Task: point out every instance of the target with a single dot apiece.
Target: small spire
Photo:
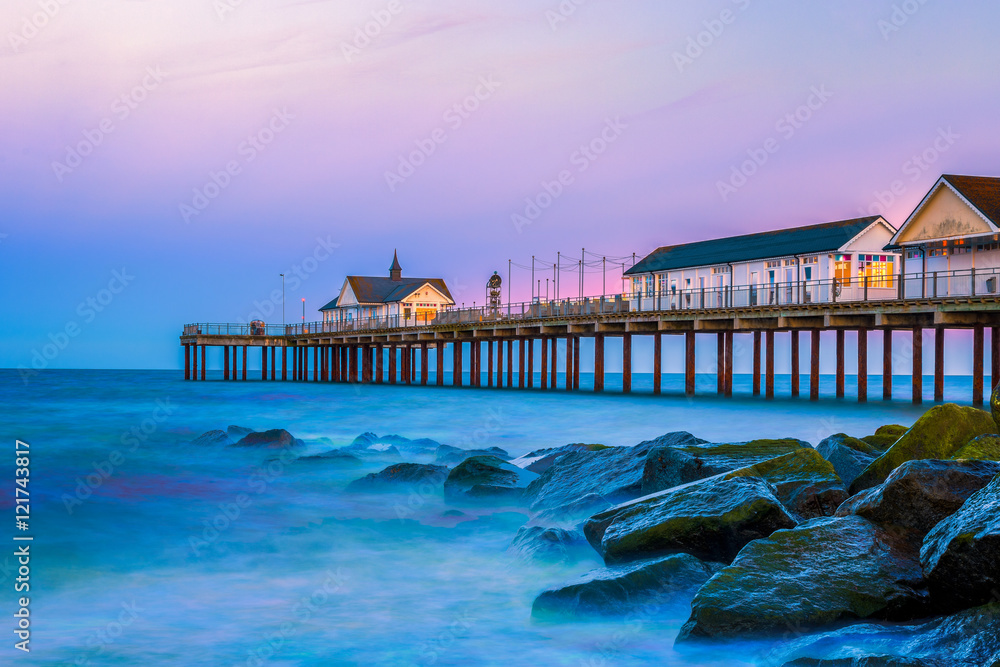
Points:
(395, 271)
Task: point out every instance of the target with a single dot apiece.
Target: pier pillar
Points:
(814, 365)
(203, 369)
(456, 371)
(756, 363)
(599, 362)
(353, 362)
(840, 363)
(531, 363)
(366, 354)
(284, 363)
(939, 364)
(576, 362)
(244, 363)
(917, 374)
(194, 365)
(862, 365)
(392, 364)
(729, 363)
(345, 351)
(274, 368)
(489, 363)
(225, 362)
(234, 362)
(545, 363)
(977, 365)
(689, 363)
(425, 366)
(474, 350)
(316, 363)
(379, 374)
(570, 360)
(795, 364)
(994, 356)
(626, 363)
(520, 364)
(407, 367)
(187, 361)
(439, 359)
(769, 367)
(657, 364)
(555, 366)
(413, 364)
(263, 362)
(510, 364)
(887, 364)
(720, 363)
(500, 345)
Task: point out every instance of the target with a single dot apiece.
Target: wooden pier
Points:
(485, 344)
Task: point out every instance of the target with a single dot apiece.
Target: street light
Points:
(303, 310)
(282, 299)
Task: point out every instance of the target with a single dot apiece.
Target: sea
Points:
(147, 549)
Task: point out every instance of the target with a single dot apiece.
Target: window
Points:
(721, 269)
(810, 260)
(647, 281)
(983, 247)
(937, 252)
(961, 250)
(772, 265)
(790, 262)
(878, 269)
(842, 269)
(913, 254)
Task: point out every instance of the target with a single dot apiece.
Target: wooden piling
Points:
(598, 362)
(274, 368)
(439, 360)
(531, 363)
(284, 363)
(187, 361)
(263, 362)
(939, 364)
(814, 365)
(689, 363)
(917, 374)
(545, 363)
(626, 363)
(225, 362)
(862, 365)
(769, 365)
(576, 362)
(425, 367)
(316, 363)
(729, 364)
(555, 363)
(795, 363)
(756, 363)
(840, 363)
(570, 360)
(977, 365)
(489, 364)
(887, 365)
(510, 364)
(203, 369)
(194, 364)
(500, 345)
(994, 356)
(244, 362)
(657, 364)
(456, 370)
(234, 363)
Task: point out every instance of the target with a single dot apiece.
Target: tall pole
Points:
(583, 267)
(532, 277)
(508, 287)
(556, 275)
(554, 295)
(303, 312)
(604, 276)
(282, 299)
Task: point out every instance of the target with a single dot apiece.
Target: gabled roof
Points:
(982, 193)
(331, 305)
(825, 237)
(370, 289)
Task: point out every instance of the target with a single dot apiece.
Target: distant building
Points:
(796, 265)
(398, 300)
(954, 233)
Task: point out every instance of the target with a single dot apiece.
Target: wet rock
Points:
(666, 582)
(549, 544)
(574, 513)
(613, 472)
(885, 436)
(276, 438)
(216, 437)
(711, 519)
(983, 448)
(236, 433)
(540, 460)
(680, 458)
(401, 476)
(849, 456)
(804, 482)
(868, 661)
(334, 456)
(938, 434)
(374, 443)
(826, 571)
(961, 555)
(487, 477)
(450, 456)
(920, 494)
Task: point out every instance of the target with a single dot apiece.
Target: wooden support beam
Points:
(263, 362)
(244, 362)
(274, 368)
(729, 364)
(599, 362)
(234, 363)
(569, 364)
(392, 364)
(316, 363)
(626, 363)
(689, 366)
(862, 365)
(500, 345)
(425, 366)
(814, 365)
(187, 361)
(977, 365)
(456, 370)
(939, 364)
(225, 363)
(917, 374)
(379, 375)
(510, 363)
(284, 363)
(489, 363)
(439, 354)
(756, 363)
(720, 363)
(555, 363)
(840, 363)
(194, 364)
(657, 364)
(994, 356)
(545, 363)
(795, 363)
(413, 365)
(769, 367)
(203, 369)
(887, 365)
(576, 362)
(531, 363)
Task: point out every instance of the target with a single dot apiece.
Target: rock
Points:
(711, 519)
(448, 455)
(541, 460)
(573, 513)
(400, 475)
(680, 458)
(995, 405)
(276, 438)
(216, 437)
(487, 477)
(334, 456)
(549, 544)
(656, 583)
(614, 473)
(826, 571)
(961, 555)
(374, 443)
(236, 433)
(938, 434)
(868, 661)
(885, 436)
(849, 456)
(804, 482)
(920, 494)
(983, 448)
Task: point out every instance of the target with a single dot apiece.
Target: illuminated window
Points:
(842, 269)
(879, 269)
(937, 252)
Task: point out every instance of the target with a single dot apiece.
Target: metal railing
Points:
(875, 289)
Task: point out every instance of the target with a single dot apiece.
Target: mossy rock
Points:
(885, 436)
(983, 448)
(939, 434)
(805, 482)
(857, 444)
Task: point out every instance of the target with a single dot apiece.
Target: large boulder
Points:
(401, 475)
(450, 456)
(405, 446)
(919, 494)
(938, 434)
(540, 460)
(574, 513)
(276, 438)
(824, 572)
(332, 456)
(885, 436)
(487, 477)
(961, 555)
(666, 582)
(711, 519)
(849, 456)
(680, 458)
(613, 472)
(216, 437)
(983, 448)
(551, 544)
(805, 483)
(235, 433)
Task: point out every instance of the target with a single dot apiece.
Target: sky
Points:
(162, 162)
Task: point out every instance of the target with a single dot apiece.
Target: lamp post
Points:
(303, 311)
(282, 299)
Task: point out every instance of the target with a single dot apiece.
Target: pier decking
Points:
(507, 347)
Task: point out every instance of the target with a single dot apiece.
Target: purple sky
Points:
(163, 95)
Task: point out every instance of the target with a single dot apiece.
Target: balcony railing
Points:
(880, 289)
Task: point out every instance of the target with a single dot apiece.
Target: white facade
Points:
(422, 304)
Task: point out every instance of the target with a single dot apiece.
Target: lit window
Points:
(878, 269)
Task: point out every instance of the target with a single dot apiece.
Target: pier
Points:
(509, 347)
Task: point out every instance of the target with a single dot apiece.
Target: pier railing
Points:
(874, 289)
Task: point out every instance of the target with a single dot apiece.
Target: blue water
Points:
(150, 550)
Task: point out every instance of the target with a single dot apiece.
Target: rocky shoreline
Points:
(874, 550)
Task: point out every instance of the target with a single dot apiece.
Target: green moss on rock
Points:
(983, 448)
(804, 482)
